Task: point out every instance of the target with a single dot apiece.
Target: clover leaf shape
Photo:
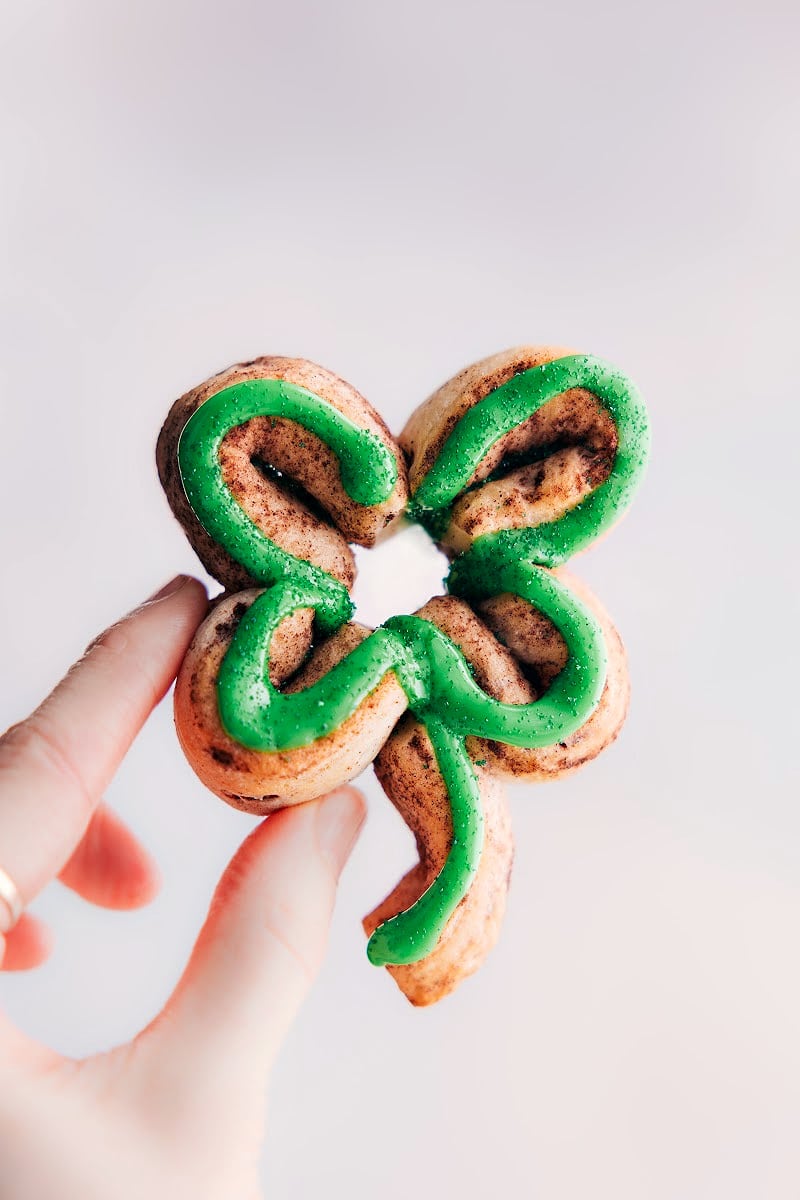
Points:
(438, 682)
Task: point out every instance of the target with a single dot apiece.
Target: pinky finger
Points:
(28, 945)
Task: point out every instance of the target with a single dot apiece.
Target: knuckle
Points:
(113, 641)
(122, 653)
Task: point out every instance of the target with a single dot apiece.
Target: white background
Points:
(394, 191)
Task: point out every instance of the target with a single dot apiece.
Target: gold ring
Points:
(9, 894)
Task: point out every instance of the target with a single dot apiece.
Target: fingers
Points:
(55, 766)
(258, 952)
(110, 866)
(26, 946)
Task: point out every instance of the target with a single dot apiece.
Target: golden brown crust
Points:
(575, 429)
(407, 769)
(300, 456)
(515, 653)
(539, 650)
(259, 782)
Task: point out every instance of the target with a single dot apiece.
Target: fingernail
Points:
(339, 820)
(169, 589)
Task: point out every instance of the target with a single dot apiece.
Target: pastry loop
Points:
(509, 406)
(258, 715)
(368, 473)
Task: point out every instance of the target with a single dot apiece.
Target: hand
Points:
(180, 1110)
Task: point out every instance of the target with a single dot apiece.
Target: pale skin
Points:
(180, 1110)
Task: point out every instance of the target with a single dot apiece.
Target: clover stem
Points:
(413, 934)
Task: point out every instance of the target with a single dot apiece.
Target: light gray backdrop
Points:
(394, 191)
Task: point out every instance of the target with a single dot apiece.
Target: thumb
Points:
(258, 952)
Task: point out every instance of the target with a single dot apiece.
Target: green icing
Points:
(429, 667)
(507, 407)
(438, 683)
(441, 691)
(367, 470)
(413, 934)
(259, 716)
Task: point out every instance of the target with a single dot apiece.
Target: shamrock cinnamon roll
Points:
(274, 467)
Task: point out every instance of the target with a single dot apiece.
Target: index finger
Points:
(55, 765)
